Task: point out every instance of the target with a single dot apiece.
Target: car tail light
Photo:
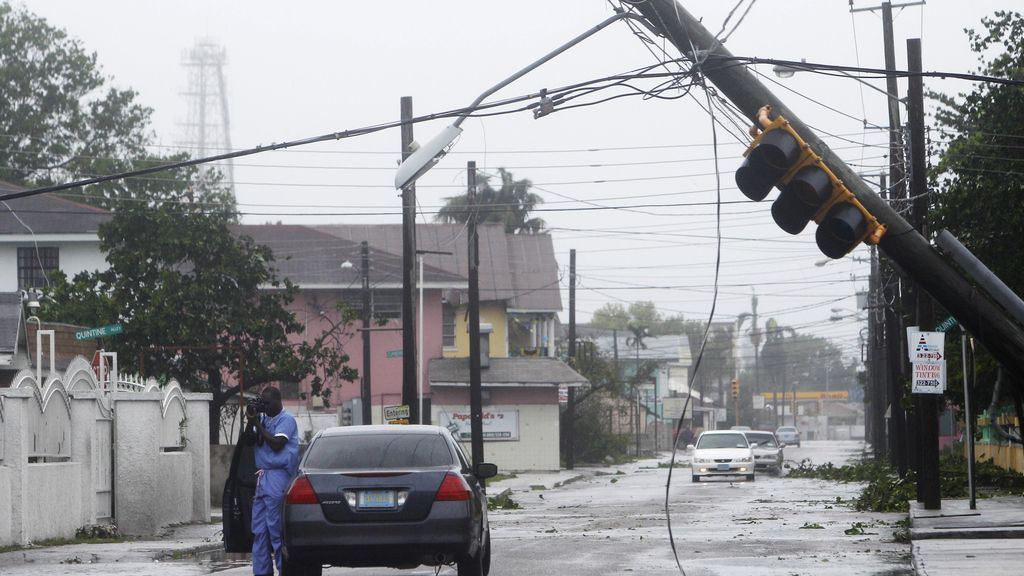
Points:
(302, 492)
(453, 488)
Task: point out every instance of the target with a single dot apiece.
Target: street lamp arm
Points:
(614, 18)
(426, 156)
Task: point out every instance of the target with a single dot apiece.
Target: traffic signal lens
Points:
(801, 198)
(842, 229)
(769, 161)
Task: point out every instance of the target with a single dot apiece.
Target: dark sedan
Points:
(394, 496)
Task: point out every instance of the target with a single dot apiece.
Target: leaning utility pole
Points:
(904, 245)
(408, 272)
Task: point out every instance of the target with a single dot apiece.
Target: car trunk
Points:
(371, 491)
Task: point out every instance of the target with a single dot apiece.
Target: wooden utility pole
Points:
(902, 243)
(925, 405)
(476, 418)
(408, 273)
(365, 398)
(570, 421)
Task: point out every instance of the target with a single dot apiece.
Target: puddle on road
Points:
(217, 560)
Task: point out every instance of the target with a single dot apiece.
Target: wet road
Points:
(615, 523)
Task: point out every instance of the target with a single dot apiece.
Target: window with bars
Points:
(447, 325)
(34, 264)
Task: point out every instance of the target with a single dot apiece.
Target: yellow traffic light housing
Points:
(735, 389)
(809, 190)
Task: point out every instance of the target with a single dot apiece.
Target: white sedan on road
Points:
(722, 453)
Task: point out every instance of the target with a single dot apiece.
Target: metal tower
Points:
(207, 127)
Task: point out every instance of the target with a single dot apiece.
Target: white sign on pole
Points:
(927, 354)
(927, 347)
(672, 407)
(910, 340)
(396, 412)
(758, 402)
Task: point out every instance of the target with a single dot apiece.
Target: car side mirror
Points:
(782, 444)
(689, 447)
(485, 470)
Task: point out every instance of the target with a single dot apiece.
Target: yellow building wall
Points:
(492, 313)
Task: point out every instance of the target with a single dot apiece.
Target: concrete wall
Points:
(57, 470)
(174, 473)
(220, 466)
(52, 510)
(5, 504)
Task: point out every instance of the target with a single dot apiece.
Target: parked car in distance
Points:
(388, 496)
(788, 435)
(767, 452)
(721, 453)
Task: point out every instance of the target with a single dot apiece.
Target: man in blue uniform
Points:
(277, 461)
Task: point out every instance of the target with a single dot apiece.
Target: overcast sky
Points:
(306, 68)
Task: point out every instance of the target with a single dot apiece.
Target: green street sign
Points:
(394, 354)
(101, 332)
(947, 325)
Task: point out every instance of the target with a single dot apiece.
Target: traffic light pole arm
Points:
(904, 245)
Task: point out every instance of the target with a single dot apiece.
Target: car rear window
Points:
(722, 441)
(787, 429)
(762, 439)
(379, 451)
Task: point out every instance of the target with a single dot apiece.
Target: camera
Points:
(256, 406)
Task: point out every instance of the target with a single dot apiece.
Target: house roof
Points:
(48, 214)
(517, 371)
(310, 257)
(518, 269)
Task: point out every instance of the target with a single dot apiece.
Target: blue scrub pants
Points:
(267, 537)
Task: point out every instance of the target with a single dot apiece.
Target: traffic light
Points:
(735, 389)
(779, 157)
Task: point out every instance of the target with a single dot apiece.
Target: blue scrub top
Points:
(279, 468)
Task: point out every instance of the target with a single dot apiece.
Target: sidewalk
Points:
(957, 540)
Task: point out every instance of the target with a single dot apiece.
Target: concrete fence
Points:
(75, 451)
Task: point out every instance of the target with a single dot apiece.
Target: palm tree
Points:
(511, 204)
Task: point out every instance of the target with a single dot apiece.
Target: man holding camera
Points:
(276, 436)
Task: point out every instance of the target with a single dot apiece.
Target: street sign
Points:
(100, 332)
(396, 412)
(394, 354)
(947, 325)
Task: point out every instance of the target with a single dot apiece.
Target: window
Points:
(447, 325)
(385, 304)
(34, 264)
(378, 451)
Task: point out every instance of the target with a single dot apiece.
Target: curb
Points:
(1002, 533)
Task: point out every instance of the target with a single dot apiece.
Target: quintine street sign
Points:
(101, 332)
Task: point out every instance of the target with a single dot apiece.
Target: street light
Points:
(426, 156)
(825, 261)
(785, 71)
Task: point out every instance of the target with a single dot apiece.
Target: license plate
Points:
(723, 467)
(377, 499)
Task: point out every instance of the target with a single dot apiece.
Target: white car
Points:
(767, 451)
(722, 453)
(788, 435)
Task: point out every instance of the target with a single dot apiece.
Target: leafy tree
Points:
(60, 120)
(197, 303)
(979, 179)
(511, 204)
